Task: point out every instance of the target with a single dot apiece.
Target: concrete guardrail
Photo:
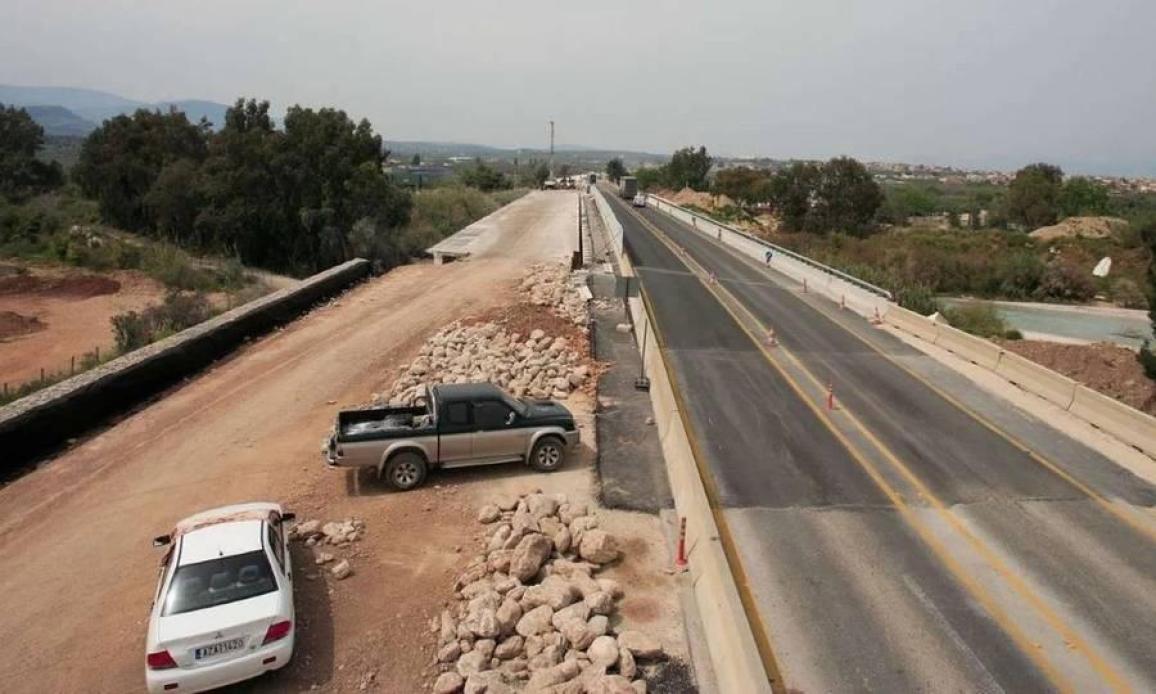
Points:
(734, 653)
(45, 420)
(1122, 421)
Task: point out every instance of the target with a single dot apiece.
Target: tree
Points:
(688, 167)
(1148, 235)
(649, 177)
(743, 184)
(615, 169)
(415, 160)
(847, 198)
(483, 177)
(541, 173)
(21, 173)
(792, 193)
(1083, 196)
(175, 199)
(1033, 197)
(121, 160)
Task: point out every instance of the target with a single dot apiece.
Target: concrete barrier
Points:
(1125, 423)
(1037, 379)
(914, 323)
(974, 349)
(45, 420)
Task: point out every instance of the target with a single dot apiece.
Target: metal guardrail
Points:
(850, 279)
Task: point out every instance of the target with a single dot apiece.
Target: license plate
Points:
(218, 648)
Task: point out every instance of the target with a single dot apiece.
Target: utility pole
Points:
(551, 149)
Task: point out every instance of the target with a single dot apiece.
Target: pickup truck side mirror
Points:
(161, 540)
(511, 417)
(285, 517)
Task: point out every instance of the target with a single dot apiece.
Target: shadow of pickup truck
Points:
(458, 425)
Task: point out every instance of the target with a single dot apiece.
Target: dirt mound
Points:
(1103, 367)
(13, 324)
(1082, 227)
(689, 196)
(72, 287)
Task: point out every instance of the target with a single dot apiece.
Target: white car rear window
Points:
(219, 581)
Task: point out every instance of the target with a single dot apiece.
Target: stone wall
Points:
(46, 420)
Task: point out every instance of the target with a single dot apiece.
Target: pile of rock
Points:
(531, 615)
(317, 535)
(535, 365)
(552, 285)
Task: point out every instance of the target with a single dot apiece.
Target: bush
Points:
(1127, 293)
(179, 311)
(978, 319)
(1148, 360)
(1065, 282)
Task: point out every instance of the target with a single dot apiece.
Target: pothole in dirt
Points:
(75, 287)
(13, 324)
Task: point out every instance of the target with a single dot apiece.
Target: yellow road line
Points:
(1001, 618)
(1147, 530)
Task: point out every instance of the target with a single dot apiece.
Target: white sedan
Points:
(223, 610)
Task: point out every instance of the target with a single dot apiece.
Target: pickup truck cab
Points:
(458, 425)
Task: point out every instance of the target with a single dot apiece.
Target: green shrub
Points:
(978, 319)
(1013, 334)
(1127, 293)
(1062, 281)
(1148, 360)
(179, 311)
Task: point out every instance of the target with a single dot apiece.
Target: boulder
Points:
(529, 555)
(541, 505)
(449, 652)
(554, 591)
(579, 611)
(568, 512)
(508, 615)
(600, 602)
(640, 644)
(506, 502)
(603, 651)
(536, 621)
(448, 683)
(598, 625)
(471, 663)
(611, 586)
(482, 623)
(485, 647)
(562, 540)
(341, 570)
(557, 674)
(626, 665)
(510, 648)
(489, 514)
(577, 634)
(598, 546)
(306, 530)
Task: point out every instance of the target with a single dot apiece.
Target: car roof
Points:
(222, 539)
(467, 391)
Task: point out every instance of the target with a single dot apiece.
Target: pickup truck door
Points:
(497, 433)
(455, 434)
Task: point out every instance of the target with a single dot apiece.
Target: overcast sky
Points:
(979, 83)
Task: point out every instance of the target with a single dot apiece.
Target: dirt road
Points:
(74, 534)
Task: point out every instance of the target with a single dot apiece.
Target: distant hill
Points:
(96, 106)
(58, 121)
(562, 153)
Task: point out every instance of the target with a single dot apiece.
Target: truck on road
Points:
(456, 425)
(628, 187)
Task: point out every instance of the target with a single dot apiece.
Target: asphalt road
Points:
(898, 543)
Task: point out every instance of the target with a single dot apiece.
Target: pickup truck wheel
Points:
(405, 471)
(548, 454)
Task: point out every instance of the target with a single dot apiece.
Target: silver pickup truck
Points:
(456, 426)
